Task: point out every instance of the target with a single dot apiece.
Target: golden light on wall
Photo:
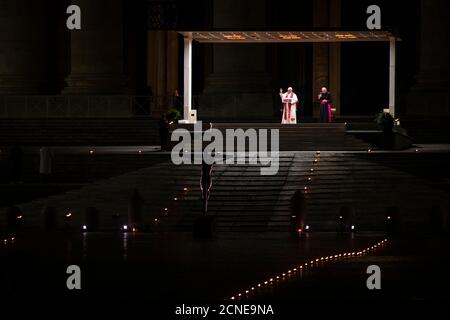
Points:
(233, 37)
(345, 36)
(289, 37)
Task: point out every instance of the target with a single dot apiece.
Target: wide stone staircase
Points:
(70, 171)
(243, 200)
(299, 137)
(369, 186)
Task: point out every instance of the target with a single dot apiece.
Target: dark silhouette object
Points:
(50, 219)
(45, 164)
(438, 219)
(346, 219)
(298, 212)
(205, 227)
(68, 217)
(177, 101)
(14, 220)
(164, 129)
(135, 209)
(116, 221)
(16, 163)
(393, 221)
(388, 133)
(92, 218)
(205, 185)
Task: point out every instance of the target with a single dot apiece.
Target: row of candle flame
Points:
(306, 188)
(247, 293)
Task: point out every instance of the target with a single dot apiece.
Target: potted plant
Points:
(386, 121)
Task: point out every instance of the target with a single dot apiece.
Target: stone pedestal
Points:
(96, 51)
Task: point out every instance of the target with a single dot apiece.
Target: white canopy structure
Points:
(281, 37)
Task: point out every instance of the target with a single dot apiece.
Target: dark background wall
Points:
(364, 66)
(113, 54)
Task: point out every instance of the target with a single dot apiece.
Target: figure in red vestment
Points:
(290, 102)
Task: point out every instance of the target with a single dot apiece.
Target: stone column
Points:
(320, 52)
(24, 47)
(431, 93)
(335, 57)
(162, 72)
(97, 59)
(239, 85)
(327, 56)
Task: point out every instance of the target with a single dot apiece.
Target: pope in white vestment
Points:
(290, 102)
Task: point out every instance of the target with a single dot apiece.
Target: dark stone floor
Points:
(172, 267)
(160, 266)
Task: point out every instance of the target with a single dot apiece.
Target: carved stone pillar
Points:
(327, 56)
(335, 57)
(162, 72)
(431, 93)
(25, 44)
(239, 85)
(96, 53)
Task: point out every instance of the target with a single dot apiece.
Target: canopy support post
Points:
(187, 94)
(392, 58)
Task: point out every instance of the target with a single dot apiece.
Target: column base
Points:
(187, 121)
(96, 84)
(22, 85)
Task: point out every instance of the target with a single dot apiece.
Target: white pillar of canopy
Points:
(187, 95)
(392, 57)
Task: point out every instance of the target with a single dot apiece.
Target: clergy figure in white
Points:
(290, 102)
